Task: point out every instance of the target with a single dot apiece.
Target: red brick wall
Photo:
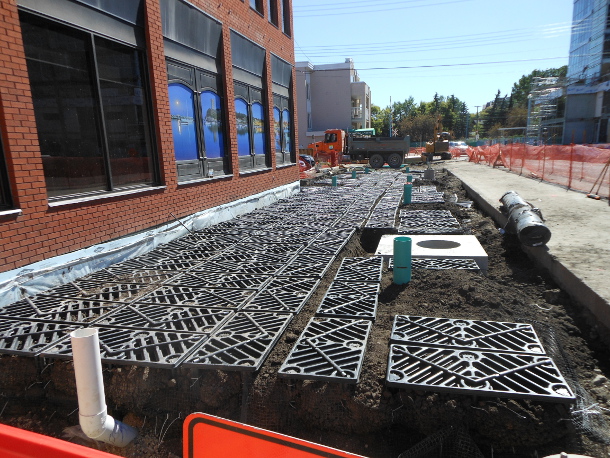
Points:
(39, 231)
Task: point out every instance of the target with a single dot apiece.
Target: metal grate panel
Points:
(428, 222)
(509, 375)
(350, 300)
(242, 343)
(328, 349)
(472, 334)
(123, 292)
(360, 269)
(427, 198)
(439, 264)
(140, 347)
(283, 294)
(196, 279)
(239, 267)
(425, 214)
(198, 297)
(267, 248)
(57, 309)
(166, 318)
(162, 263)
(307, 266)
(119, 275)
(27, 338)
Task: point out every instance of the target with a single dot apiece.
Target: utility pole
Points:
(390, 116)
(476, 136)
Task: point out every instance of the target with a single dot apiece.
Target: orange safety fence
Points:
(579, 167)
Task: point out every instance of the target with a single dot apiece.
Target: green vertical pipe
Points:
(407, 169)
(402, 260)
(367, 170)
(409, 178)
(334, 179)
(353, 174)
(406, 196)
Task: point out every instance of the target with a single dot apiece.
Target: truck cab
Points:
(331, 148)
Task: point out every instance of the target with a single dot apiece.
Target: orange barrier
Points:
(207, 436)
(19, 443)
(579, 167)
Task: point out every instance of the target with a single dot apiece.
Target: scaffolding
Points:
(545, 110)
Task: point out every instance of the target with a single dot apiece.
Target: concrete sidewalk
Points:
(578, 254)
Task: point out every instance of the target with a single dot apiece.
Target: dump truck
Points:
(338, 144)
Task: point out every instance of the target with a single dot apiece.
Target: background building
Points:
(117, 117)
(588, 101)
(330, 96)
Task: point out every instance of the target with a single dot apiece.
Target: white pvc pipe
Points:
(92, 412)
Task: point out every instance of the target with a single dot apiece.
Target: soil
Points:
(367, 418)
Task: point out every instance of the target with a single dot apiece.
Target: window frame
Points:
(286, 16)
(6, 201)
(257, 5)
(273, 12)
(105, 132)
(203, 167)
(282, 80)
(249, 61)
(252, 95)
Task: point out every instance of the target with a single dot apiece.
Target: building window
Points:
(286, 132)
(258, 128)
(192, 41)
(251, 127)
(272, 12)
(90, 100)
(277, 128)
(257, 5)
(250, 103)
(242, 114)
(197, 122)
(281, 77)
(182, 109)
(286, 16)
(5, 195)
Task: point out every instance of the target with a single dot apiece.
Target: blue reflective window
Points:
(258, 128)
(286, 130)
(182, 111)
(211, 115)
(243, 133)
(277, 129)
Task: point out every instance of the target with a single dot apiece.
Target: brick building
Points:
(116, 117)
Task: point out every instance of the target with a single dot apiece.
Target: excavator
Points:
(439, 145)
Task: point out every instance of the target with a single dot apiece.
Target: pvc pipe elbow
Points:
(103, 427)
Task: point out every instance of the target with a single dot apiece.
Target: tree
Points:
(516, 117)
(402, 110)
(380, 120)
(420, 128)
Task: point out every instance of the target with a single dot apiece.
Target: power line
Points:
(376, 9)
(408, 67)
(347, 5)
(468, 37)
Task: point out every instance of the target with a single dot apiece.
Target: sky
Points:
(403, 48)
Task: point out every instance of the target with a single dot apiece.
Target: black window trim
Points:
(6, 200)
(251, 100)
(197, 90)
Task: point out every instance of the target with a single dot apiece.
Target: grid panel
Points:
(328, 349)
